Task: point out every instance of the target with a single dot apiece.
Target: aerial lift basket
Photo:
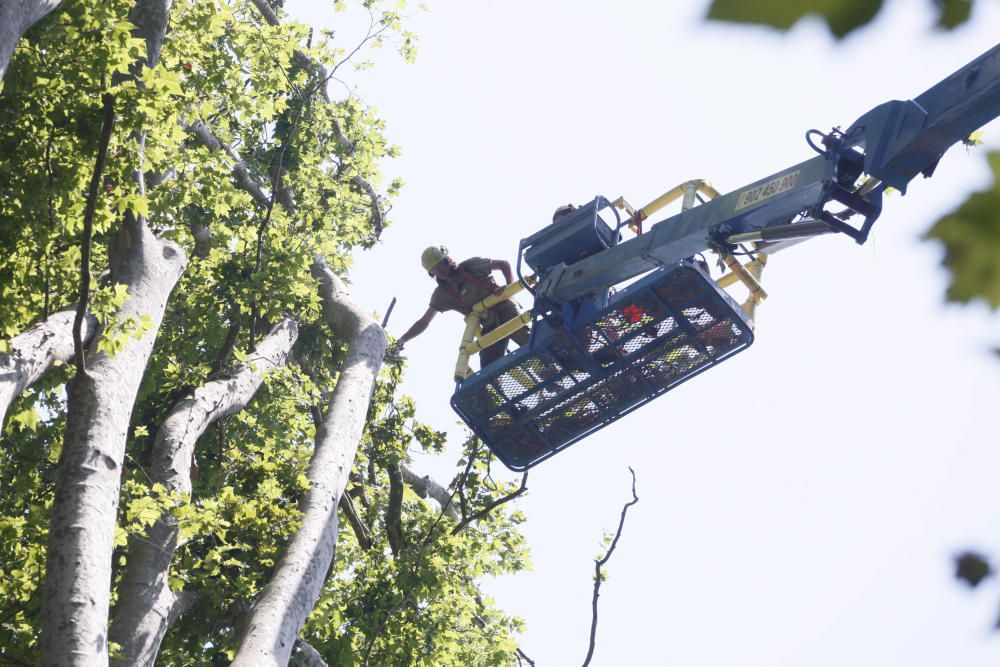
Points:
(653, 335)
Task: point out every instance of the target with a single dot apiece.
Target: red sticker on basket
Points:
(633, 313)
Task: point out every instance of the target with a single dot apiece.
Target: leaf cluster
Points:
(842, 17)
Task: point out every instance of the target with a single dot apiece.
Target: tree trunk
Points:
(100, 399)
(37, 351)
(81, 534)
(290, 595)
(143, 613)
(16, 17)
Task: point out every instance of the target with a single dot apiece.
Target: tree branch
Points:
(599, 574)
(425, 486)
(394, 510)
(310, 657)
(521, 655)
(243, 178)
(76, 595)
(141, 617)
(319, 73)
(200, 231)
(232, 337)
(464, 523)
(290, 595)
(357, 525)
(16, 18)
(93, 192)
(37, 351)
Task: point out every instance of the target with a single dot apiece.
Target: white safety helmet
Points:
(432, 256)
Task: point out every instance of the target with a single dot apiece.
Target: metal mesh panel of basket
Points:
(626, 329)
(533, 372)
(570, 418)
(518, 445)
(479, 402)
(665, 364)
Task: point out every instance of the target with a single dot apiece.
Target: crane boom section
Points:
(769, 201)
(903, 139)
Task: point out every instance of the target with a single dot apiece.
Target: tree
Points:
(192, 398)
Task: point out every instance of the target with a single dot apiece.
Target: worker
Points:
(459, 287)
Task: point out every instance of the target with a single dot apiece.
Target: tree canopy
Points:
(184, 376)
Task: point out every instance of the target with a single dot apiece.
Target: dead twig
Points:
(599, 563)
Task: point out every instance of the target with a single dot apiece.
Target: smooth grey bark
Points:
(277, 617)
(76, 594)
(240, 170)
(36, 352)
(308, 656)
(146, 606)
(16, 18)
(81, 534)
(425, 486)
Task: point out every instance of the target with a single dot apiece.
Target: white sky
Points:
(800, 504)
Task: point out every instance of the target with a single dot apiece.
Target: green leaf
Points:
(952, 13)
(971, 239)
(27, 419)
(972, 568)
(841, 16)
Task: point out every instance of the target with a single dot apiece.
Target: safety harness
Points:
(476, 280)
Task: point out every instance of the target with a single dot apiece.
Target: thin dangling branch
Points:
(599, 564)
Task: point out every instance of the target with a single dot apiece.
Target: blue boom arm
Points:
(893, 143)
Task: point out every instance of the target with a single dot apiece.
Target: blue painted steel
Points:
(902, 139)
(690, 232)
(893, 142)
(655, 334)
(577, 235)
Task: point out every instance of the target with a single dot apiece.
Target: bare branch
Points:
(521, 655)
(599, 563)
(467, 521)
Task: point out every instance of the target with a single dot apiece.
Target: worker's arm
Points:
(503, 267)
(418, 328)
